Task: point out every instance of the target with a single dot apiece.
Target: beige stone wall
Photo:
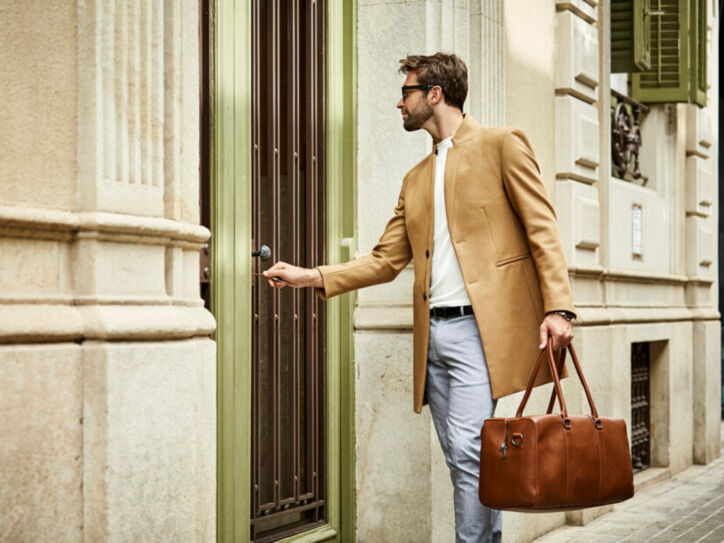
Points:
(41, 496)
(38, 51)
(149, 444)
(107, 373)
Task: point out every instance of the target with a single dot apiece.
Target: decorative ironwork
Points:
(626, 135)
(640, 407)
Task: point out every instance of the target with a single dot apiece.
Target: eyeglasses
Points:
(414, 87)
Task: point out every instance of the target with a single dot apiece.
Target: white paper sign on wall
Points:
(636, 229)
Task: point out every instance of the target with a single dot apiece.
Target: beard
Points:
(415, 119)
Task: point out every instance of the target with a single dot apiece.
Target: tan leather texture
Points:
(554, 462)
(504, 232)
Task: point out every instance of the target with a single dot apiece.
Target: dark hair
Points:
(448, 71)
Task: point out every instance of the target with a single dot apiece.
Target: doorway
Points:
(279, 79)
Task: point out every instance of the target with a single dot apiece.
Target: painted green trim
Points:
(230, 261)
(335, 213)
(323, 533)
(345, 177)
(643, 86)
(231, 250)
(642, 35)
(698, 50)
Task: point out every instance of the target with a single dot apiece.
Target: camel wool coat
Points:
(504, 232)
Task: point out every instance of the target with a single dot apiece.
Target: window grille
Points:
(640, 406)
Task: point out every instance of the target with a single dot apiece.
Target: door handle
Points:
(264, 252)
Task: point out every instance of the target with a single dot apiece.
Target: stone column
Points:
(106, 366)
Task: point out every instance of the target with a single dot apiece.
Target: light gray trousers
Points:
(458, 392)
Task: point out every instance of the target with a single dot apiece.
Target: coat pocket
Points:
(512, 259)
(506, 234)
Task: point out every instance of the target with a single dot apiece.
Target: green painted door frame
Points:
(231, 266)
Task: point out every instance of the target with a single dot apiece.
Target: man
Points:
(475, 219)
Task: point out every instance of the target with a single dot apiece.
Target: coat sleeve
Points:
(383, 264)
(527, 195)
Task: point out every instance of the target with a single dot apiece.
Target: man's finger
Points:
(543, 337)
(277, 266)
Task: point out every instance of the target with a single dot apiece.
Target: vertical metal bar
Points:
(309, 237)
(315, 355)
(276, 215)
(295, 239)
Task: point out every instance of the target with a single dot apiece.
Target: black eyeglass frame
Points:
(406, 88)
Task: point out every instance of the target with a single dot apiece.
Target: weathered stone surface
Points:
(149, 440)
(393, 443)
(41, 461)
(38, 50)
(99, 128)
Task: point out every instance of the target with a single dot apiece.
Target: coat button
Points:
(427, 253)
(424, 295)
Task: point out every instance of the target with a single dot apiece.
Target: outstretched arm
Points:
(387, 259)
(294, 276)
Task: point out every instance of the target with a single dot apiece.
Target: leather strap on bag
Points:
(557, 391)
(561, 363)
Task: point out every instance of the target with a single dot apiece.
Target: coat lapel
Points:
(466, 131)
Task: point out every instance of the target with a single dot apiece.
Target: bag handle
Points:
(556, 381)
(559, 367)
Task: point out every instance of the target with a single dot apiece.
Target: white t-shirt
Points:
(447, 287)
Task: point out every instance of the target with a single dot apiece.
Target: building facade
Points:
(156, 152)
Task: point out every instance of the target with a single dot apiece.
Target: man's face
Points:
(414, 107)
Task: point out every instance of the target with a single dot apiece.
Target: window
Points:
(663, 45)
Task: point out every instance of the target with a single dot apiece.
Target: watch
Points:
(565, 314)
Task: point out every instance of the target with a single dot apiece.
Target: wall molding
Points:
(60, 225)
(567, 6)
(56, 322)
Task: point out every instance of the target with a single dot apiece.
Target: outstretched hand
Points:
(558, 328)
(294, 276)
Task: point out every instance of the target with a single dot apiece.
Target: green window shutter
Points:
(630, 35)
(642, 34)
(668, 78)
(698, 46)
(622, 36)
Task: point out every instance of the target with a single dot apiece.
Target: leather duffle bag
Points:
(554, 462)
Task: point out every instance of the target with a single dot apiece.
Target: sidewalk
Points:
(688, 508)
